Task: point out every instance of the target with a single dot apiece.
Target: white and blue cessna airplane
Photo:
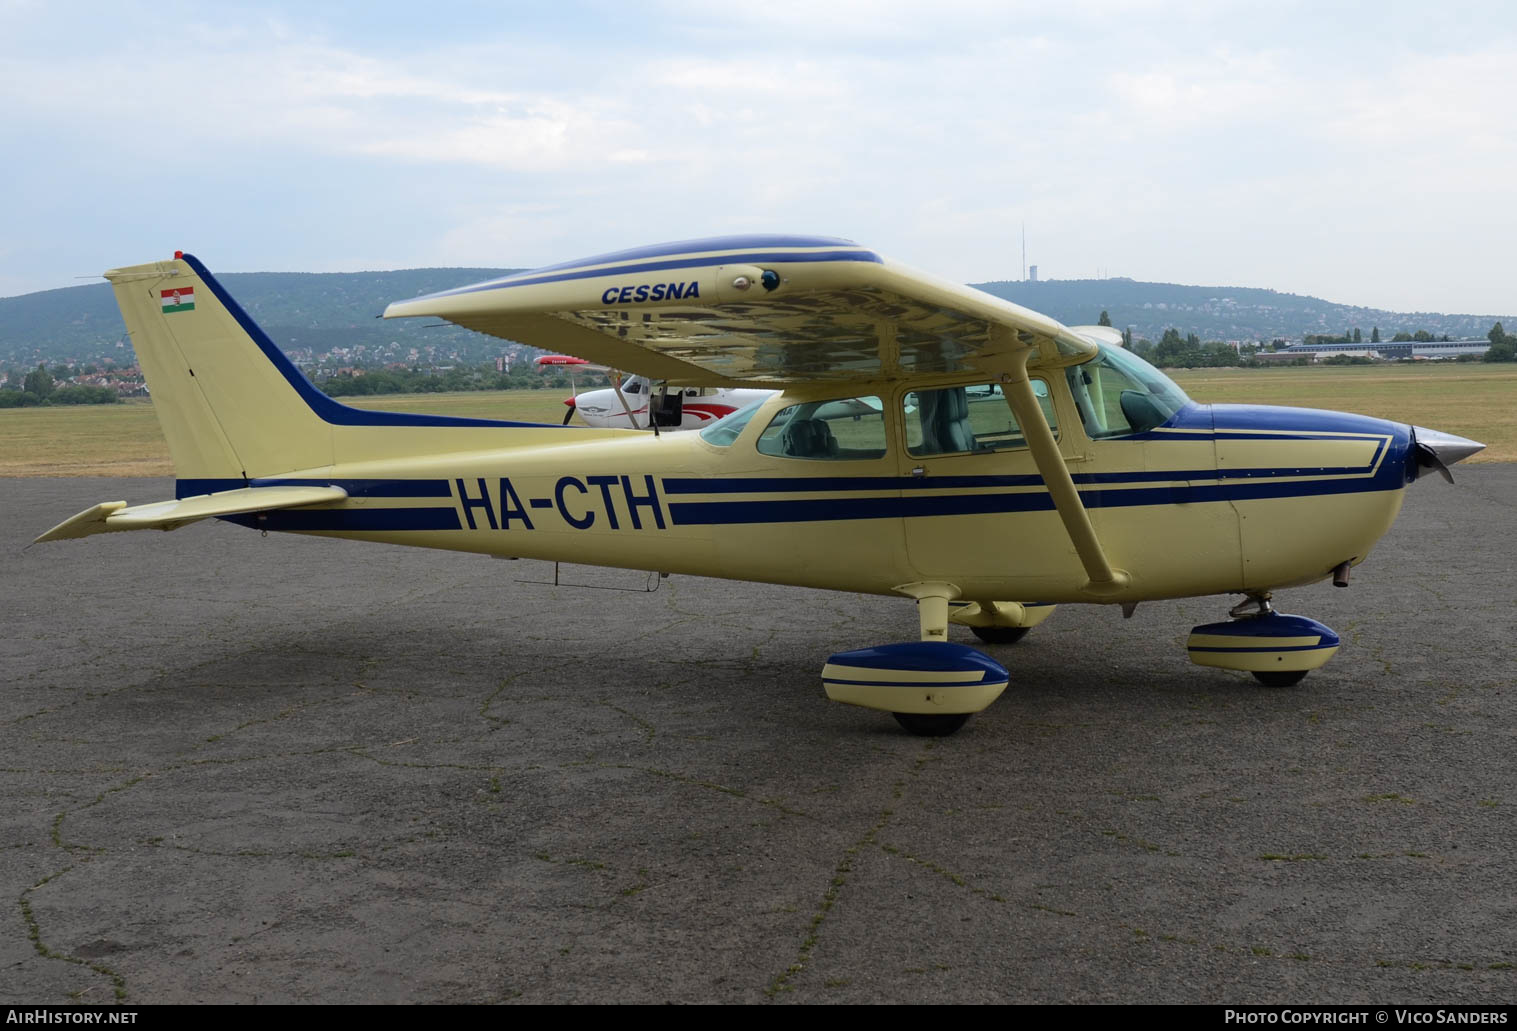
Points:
(926, 440)
(636, 402)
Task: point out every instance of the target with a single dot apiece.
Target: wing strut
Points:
(1104, 579)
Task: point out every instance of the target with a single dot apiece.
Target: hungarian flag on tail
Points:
(180, 298)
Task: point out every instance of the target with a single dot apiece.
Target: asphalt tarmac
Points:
(284, 769)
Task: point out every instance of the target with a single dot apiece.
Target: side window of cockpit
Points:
(843, 430)
(963, 420)
(726, 430)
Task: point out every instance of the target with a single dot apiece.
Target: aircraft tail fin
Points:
(231, 405)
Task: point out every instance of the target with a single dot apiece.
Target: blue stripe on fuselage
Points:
(805, 510)
(354, 520)
(822, 509)
(923, 497)
(355, 488)
(1276, 422)
(809, 484)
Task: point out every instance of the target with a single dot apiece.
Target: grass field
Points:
(1475, 401)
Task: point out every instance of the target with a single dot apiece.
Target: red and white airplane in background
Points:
(626, 405)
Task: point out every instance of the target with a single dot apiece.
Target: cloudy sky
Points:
(1366, 153)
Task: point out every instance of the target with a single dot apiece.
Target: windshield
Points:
(1118, 394)
(727, 429)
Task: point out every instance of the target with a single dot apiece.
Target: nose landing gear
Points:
(1278, 649)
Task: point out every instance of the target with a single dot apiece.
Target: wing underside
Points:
(787, 312)
(751, 312)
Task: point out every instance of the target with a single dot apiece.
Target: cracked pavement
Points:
(288, 769)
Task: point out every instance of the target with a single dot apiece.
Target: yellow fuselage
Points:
(1227, 499)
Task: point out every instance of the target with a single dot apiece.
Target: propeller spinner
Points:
(1436, 450)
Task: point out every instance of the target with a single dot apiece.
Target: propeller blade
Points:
(1427, 459)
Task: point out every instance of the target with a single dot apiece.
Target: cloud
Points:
(1434, 105)
(1142, 137)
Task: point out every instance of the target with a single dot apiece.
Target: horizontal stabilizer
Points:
(115, 516)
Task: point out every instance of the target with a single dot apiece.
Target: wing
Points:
(755, 311)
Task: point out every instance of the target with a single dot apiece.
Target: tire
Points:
(1279, 678)
(931, 724)
(1000, 634)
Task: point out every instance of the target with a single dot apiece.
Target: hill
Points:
(307, 313)
(328, 319)
(1222, 312)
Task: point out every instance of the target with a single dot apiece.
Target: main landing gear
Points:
(1278, 649)
(932, 686)
(999, 622)
(930, 724)
(1000, 634)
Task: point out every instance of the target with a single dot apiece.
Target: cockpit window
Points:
(729, 427)
(848, 429)
(1118, 394)
(960, 420)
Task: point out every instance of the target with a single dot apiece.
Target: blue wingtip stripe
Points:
(537, 278)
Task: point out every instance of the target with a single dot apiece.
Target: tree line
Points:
(1174, 351)
(39, 387)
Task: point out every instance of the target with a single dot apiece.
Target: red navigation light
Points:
(178, 255)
